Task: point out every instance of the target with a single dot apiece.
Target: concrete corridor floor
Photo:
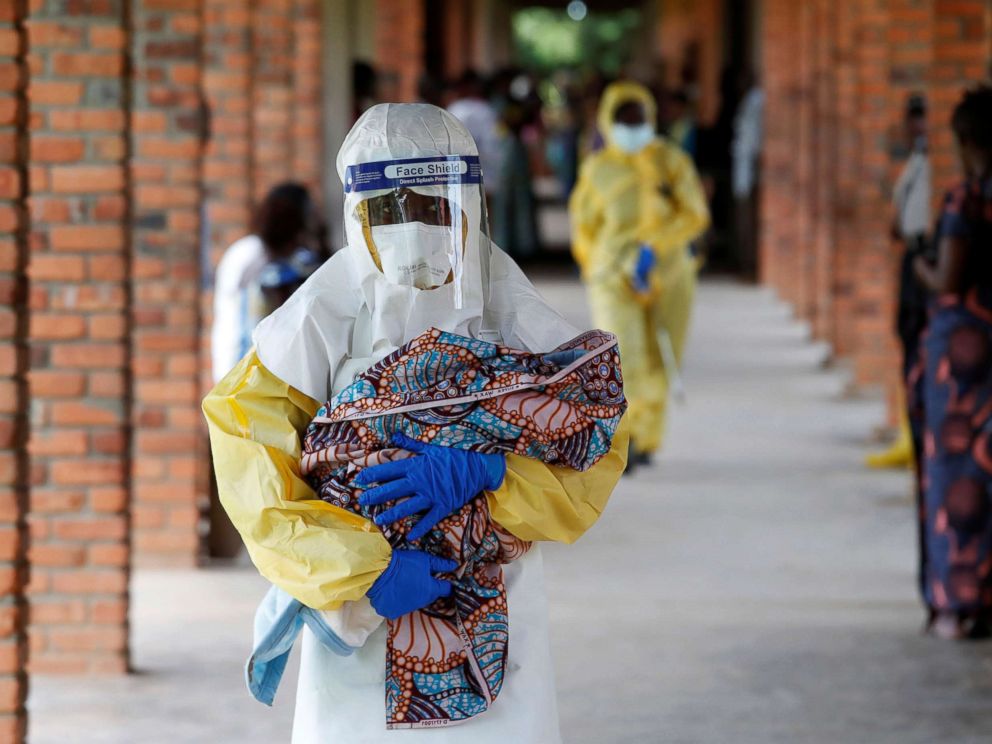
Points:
(756, 585)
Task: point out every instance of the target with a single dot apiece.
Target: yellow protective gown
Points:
(324, 555)
(344, 319)
(621, 201)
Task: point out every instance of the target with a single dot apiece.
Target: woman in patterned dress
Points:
(954, 382)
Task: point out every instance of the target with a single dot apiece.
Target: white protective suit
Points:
(344, 319)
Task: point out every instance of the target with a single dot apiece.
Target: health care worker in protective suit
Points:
(637, 206)
(418, 256)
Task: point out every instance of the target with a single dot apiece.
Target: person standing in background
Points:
(637, 206)
(473, 109)
(746, 154)
(514, 213)
(910, 227)
(258, 272)
(713, 159)
(678, 121)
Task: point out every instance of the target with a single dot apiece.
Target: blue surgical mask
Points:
(632, 139)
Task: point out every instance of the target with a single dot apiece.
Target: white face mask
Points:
(632, 139)
(414, 254)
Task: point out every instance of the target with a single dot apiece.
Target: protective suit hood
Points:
(348, 315)
(397, 131)
(617, 94)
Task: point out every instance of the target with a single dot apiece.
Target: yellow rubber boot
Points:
(900, 454)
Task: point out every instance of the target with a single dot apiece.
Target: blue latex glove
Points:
(646, 261)
(437, 480)
(408, 583)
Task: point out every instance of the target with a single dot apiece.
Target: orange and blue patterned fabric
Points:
(445, 663)
(952, 386)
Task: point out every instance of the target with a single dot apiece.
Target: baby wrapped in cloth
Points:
(445, 663)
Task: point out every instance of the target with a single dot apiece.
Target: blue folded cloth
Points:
(278, 621)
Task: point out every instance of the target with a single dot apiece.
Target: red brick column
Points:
(309, 160)
(227, 44)
(826, 178)
(876, 359)
(805, 164)
(708, 23)
(13, 365)
(829, 170)
(168, 470)
(399, 42)
(262, 82)
(227, 84)
(272, 99)
(911, 35)
(837, 76)
(823, 102)
(79, 381)
(457, 35)
(962, 37)
(779, 249)
(261, 78)
(684, 24)
(845, 178)
(910, 38)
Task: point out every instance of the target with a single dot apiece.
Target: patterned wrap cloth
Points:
(445, 663)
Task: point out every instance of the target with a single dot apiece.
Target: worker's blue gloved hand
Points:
(408, 583)
(646, 261)
(436, 480)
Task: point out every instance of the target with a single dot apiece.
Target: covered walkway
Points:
(756, 585)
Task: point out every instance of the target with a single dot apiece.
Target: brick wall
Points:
(286, 132)
(111, 213)
(698, 24)
(910, 42)
(821, 23)
(264, 118)
(309, 159)
(399, 45)
(169, 457)
(457, 36)
(804, 161)
(875, 357)
(844, 177)
(961, 55)
(272, 105)
(227, 52)
(199, 71)
(79, 378)
(13, 363)
(836, 92)
(264, 109)
(779, 226)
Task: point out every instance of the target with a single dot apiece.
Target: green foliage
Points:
(546, 39)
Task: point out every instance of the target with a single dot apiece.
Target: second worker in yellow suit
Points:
(637, 206)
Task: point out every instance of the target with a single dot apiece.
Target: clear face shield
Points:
(423, 221)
